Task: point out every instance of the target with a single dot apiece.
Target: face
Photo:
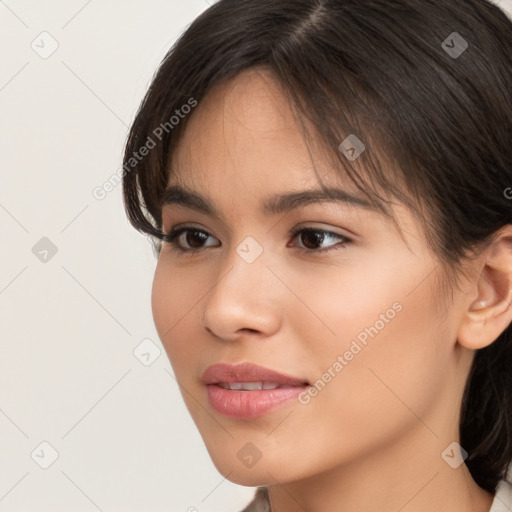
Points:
(347, 306)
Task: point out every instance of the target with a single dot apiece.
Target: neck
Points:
(390, 481)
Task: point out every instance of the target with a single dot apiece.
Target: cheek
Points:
(173, 300)
(394, 360)
(161, 302)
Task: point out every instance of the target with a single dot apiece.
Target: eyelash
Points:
(173, 234)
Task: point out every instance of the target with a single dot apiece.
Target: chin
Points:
(263, 472)
(247, 478)
(235, 471)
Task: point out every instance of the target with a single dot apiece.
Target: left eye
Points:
(314, 236)
(195, 238)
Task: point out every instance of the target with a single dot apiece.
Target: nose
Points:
(246, 298)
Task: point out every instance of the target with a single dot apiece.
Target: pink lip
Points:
(242, 404)
(246, 372)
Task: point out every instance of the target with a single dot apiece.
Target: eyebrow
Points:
(277, 204)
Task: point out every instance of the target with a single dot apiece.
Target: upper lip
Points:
(246, 372)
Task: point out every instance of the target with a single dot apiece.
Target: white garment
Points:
(503, 498)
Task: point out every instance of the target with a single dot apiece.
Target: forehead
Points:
(243, 150)
(252, 99)
(244, 130)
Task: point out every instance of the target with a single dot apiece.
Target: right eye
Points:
(192, 236)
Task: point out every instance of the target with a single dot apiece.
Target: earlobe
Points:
(490, 312)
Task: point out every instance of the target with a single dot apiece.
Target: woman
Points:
(328, 186)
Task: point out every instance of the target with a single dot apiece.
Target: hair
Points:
(436, 125)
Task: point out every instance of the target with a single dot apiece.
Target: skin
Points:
(372, 438)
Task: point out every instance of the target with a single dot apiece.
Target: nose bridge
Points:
(245, 266)
(242, 297)
(244, 270)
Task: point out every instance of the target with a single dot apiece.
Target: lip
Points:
(247, 372)
(242, 404)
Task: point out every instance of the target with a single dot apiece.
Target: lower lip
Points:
(241, 404)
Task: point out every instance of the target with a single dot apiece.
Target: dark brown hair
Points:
(426, 85)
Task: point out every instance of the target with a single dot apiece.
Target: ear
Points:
(489, 310)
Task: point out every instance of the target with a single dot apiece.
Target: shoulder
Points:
(503, 497)
(260, 502)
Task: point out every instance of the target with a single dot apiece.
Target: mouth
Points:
(248, 391)
(249, 375)
(252, 386)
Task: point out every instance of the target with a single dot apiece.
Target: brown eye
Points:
(311, 238)
(187, 239)
(194, 238)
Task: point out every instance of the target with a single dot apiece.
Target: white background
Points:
(69, 326)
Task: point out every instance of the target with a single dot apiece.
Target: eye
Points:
(315, 236)
(189, 239)
(190, 235)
